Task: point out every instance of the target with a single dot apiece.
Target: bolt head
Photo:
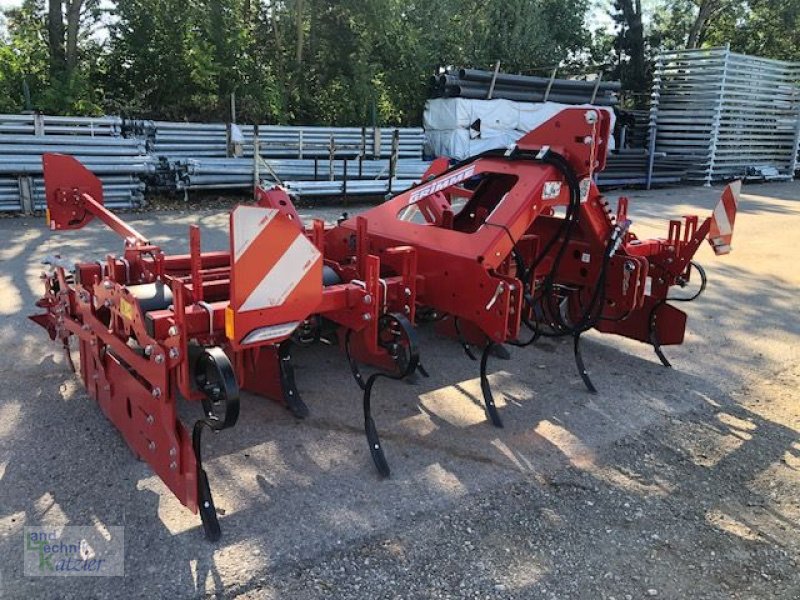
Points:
(156, 392)
(366, 317)
(174, 353)
(367, 299)
(159, 358)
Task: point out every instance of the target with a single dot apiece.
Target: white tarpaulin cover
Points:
(462, 127)
(460, 144)
(458, 113)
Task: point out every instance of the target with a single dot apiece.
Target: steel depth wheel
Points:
(397, 336)
(215, 378)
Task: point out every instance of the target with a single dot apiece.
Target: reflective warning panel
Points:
(276, 276)
(721, 233)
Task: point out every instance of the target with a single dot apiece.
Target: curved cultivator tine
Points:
(486, 388)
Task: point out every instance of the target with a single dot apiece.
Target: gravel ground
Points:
(677, 483)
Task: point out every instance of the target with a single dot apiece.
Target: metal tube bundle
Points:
(478, 84)
(175, 156)
(38, 124)
(280, 141)
(299, 175)
(370, 187)
(629, 166)
(119, 162)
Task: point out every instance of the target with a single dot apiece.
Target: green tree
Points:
(56, 81)
(759, 27)
(631, 50)
(311, 61)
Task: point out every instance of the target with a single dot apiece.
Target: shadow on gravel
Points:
(293, 490)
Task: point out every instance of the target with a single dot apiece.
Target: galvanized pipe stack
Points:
(176, 139)
(199, 156)
(119, 162)
(38, 124)
(232, 173)
(131, 155)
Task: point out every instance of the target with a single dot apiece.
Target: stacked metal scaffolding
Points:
(732, 115)
(119, 162)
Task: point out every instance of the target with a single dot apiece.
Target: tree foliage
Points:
(343, 62)
(759, 27)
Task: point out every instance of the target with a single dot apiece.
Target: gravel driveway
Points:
(670, 483)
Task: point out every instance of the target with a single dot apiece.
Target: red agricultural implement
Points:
(499, 249)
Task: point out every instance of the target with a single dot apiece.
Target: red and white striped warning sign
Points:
(721, 232)
(276, 274)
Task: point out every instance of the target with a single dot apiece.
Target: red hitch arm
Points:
(75, 195)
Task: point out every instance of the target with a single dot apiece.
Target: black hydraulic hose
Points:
(564, 233)
(571, 217)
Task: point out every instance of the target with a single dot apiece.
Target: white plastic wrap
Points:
(451, 129)
(459, 113)
(459, 144)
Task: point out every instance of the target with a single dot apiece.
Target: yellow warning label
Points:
(126, 309)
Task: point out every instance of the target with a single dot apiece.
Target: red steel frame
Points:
(452, 245)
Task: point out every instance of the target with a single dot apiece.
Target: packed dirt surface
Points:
(669, 483)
